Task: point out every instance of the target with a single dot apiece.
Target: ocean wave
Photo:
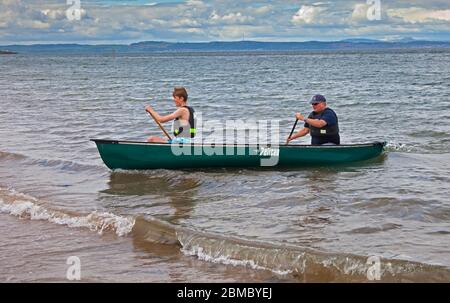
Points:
(11, 156)
(65, 165)
(137, 99)
(366, 104)
(299, 263)
(305, 264)
(290, 261)
(429, 134)
(54, 163)
(28, 207)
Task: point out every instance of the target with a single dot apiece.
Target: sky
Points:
(124, 22)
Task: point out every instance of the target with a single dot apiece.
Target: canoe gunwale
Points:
(111, 141)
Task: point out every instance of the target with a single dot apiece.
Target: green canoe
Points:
(143, 155)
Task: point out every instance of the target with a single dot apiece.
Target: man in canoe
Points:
(322, 123)
(183, 127)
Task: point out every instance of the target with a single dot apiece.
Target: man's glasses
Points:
(314, 104)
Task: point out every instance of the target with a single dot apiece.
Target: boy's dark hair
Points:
(180, 92)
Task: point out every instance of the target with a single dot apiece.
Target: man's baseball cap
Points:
(317, 99)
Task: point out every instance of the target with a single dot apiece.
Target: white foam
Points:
(24, 206)
(199, 252)
(398, 147)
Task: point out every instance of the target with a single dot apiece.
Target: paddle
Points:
(292, 131)
(160, 126)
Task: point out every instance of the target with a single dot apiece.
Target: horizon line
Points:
(405, 39)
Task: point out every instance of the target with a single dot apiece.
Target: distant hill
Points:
(360, 40)
(160, 46)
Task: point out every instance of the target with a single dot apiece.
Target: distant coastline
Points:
(7, 52)
(233, 46)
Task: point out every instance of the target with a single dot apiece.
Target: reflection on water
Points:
(178, 188)
(318, 180)
(323, 180)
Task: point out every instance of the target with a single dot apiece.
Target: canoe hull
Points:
(142, 155)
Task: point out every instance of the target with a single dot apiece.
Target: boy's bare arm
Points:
(176, 114)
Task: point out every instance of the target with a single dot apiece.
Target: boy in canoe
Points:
(183, 125)
(322, 124)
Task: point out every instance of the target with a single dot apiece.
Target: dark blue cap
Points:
(318, 99)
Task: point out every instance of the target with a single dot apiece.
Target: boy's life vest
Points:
(183, 130)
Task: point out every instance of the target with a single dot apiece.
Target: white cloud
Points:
(237, 18)
(189, 30)
(378, 29)
(194, 20)
(36, 24)
(231, 18)
(214, 16)
(360, 12)
(419, 15)
(195, 3)
(54, 14)
(263, 9)
(185, 22)
(308, 15)
(236, 32)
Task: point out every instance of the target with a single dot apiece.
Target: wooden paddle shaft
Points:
(160, 126)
